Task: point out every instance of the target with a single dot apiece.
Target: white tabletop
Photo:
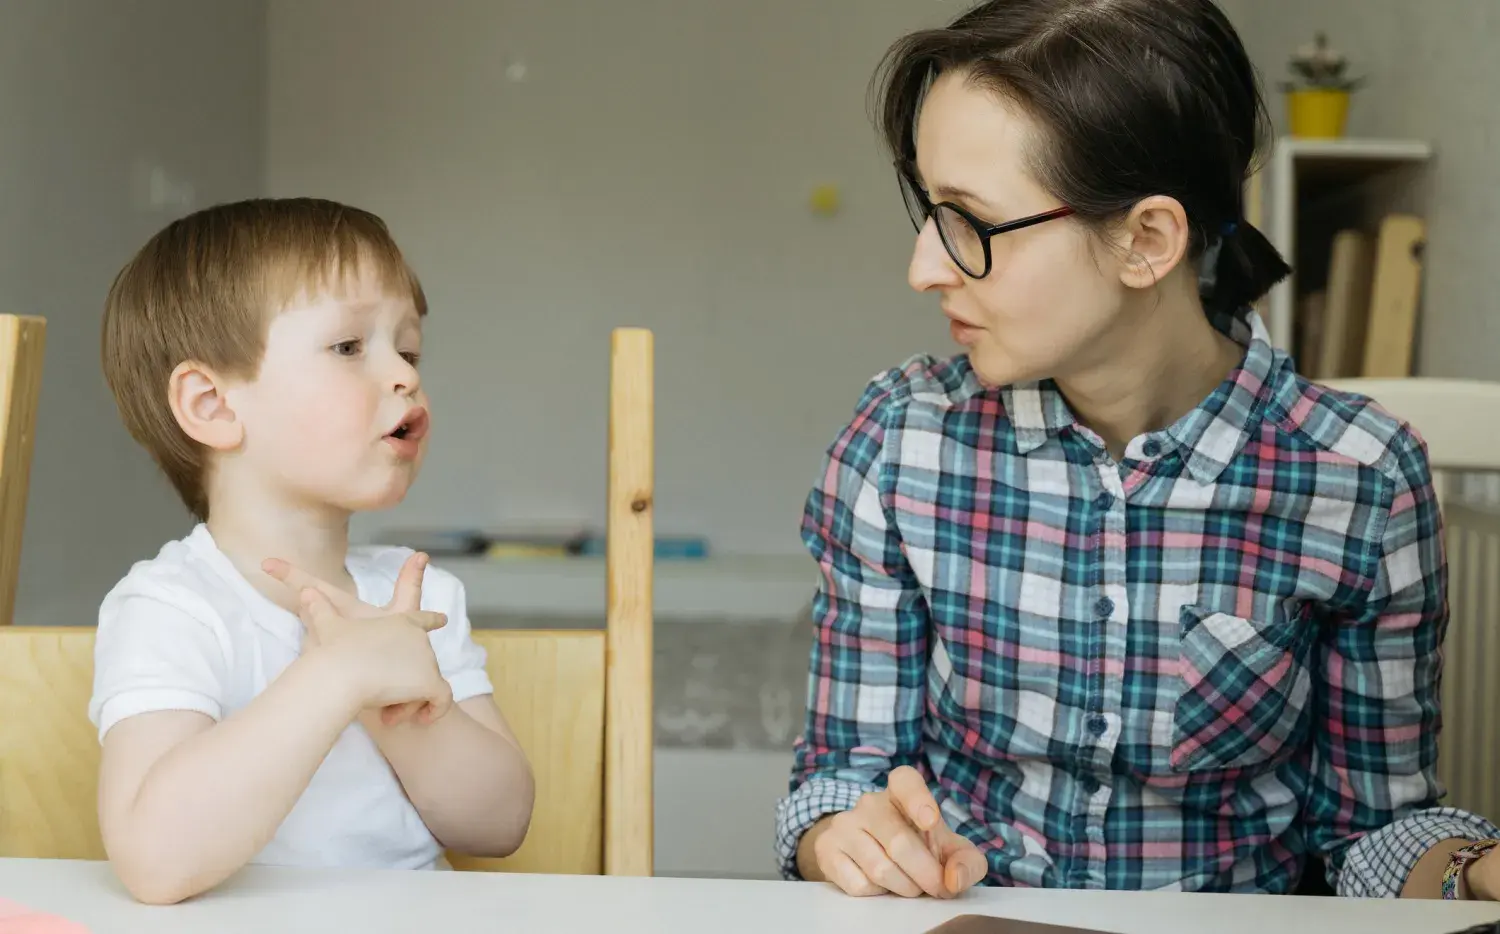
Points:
(292, 901)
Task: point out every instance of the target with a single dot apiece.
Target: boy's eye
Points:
(411, 356)
(346, 348)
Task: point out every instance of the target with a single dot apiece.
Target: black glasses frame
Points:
(910, 189)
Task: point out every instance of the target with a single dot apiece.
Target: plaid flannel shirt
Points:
(1186, 670)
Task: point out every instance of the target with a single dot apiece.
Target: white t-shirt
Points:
(186, 631)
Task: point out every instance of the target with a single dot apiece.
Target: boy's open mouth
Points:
(413, 426)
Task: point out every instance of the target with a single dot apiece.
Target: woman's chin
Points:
(995, 367)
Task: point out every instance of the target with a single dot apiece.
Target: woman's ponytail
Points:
(1243, 265)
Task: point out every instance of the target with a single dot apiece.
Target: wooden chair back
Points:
(22, 341)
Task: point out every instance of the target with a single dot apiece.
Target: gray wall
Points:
(652, 168)
(94, 96)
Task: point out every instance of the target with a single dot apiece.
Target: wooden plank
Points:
(628, 835)
(49, 751)
(22, 342)
(1394, 297)
(550, 687)
(1350, 273)
(1312, 319)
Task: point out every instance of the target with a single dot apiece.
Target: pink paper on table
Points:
(18, 919)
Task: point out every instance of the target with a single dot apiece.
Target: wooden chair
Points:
(22, 341)
(580, 701)
(1451, 416)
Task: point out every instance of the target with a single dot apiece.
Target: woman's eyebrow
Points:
(951, 193)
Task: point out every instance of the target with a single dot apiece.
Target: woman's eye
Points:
(346, 348)
(412, 357)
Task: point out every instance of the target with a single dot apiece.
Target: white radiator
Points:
(1468, 754)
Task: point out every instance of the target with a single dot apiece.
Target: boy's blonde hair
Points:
(205, 288)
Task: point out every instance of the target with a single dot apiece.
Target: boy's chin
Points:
(378, 505)
(388, 500)
(374, 500)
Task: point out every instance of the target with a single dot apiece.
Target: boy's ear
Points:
(201, 406)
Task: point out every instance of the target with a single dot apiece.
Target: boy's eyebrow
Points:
(362, 308)
(410, 321)
(373, 306)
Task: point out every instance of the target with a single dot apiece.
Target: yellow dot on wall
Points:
(824, 200)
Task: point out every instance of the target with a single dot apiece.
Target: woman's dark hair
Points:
(1136, 98)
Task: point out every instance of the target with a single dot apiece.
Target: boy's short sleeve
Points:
(152, 654)
(461, 659)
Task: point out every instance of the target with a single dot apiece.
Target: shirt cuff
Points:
(150, 700)
(471, 682)
(1377, 864)
(810, 803)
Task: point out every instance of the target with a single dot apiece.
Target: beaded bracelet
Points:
(1460, 859)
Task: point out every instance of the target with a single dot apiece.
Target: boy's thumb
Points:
(316, 610)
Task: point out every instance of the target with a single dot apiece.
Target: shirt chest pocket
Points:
(1245, 690)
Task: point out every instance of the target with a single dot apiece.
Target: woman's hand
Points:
(892, 841)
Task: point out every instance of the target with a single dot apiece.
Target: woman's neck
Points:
(1159, 363)
(250, 524)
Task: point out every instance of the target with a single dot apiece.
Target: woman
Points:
(1114, 599)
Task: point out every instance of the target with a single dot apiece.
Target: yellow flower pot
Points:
(1318, 113)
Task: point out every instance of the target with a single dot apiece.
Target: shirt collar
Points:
(1208, 438)
(1037, 411)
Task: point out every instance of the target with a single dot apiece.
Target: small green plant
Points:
(1319, 65)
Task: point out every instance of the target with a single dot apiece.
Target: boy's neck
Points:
(248, 530)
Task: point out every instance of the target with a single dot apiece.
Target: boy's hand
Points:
(332, 614)
(407, 597)
(389, 657)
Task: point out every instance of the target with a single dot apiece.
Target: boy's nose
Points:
(405, 378)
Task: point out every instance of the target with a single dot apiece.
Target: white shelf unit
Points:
(1300, 169)
(720, 588)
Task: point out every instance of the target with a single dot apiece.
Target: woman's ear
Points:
(201, 407)
(1156, 237)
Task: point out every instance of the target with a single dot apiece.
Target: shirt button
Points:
(1104, 501)
(1090, 785)
(1151, 448)
(1104, 607)
(1097, 725)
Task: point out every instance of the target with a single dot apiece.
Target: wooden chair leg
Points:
(22, 341)
(630, 550)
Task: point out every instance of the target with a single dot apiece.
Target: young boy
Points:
(263, 692)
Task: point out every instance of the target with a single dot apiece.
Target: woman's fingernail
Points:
(928, 816)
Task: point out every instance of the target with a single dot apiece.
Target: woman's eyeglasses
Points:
(964, 236)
